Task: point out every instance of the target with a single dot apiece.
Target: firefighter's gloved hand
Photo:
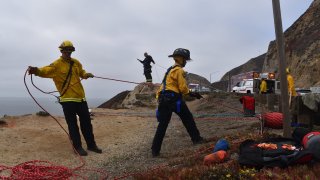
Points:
(195, 94)
(89, 75)
(32, 70)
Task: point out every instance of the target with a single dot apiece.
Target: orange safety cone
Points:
(216, 157)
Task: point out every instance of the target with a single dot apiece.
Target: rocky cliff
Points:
(302, 48)
(302, 42)
(254, 64)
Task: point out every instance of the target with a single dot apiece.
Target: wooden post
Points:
(282, 65)
(229, 82)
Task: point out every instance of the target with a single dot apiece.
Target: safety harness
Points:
(67, 80)
(172, 94)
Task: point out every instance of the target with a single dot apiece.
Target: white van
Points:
(237, 86)
(247, 86)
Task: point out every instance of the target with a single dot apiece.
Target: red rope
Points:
(116, 80)
(37, 169)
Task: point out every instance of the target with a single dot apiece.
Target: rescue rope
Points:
(157, 74)
(64, 172)
(196, 116)
(37, 169)
(160, 66)
(111, 79)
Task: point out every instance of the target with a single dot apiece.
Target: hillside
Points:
(302, 43)
(196, 79)
(254, 64)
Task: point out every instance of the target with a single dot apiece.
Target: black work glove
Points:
(195, 94)
(89, 75)
(32, 70)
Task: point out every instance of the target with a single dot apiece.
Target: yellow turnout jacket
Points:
(176, 81)
(263, 86)
(291, 88)
(58, 71)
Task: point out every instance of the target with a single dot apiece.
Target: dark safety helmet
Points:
(181, 52)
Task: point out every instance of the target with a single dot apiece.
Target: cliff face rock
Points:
(143, 95)
(254, 64)
(302, 53)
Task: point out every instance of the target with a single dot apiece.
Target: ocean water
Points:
(14, 106)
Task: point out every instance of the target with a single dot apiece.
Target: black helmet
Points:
(181, 52)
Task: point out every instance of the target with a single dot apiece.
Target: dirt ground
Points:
(125, 135)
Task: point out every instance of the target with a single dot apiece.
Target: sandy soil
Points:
(124, 135)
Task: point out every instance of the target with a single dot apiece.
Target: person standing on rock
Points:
(66, 73)
(169, 96)
(147, 66)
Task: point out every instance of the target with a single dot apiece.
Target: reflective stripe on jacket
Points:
(176, 81)
(58, 71)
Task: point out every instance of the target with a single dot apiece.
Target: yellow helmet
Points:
(67, 46)
(287, 70)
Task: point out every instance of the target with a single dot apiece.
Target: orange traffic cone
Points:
(216, 157)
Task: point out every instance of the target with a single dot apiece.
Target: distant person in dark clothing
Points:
(147, 66)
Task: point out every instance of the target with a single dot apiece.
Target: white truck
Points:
(252, 83)
(244, 86)
(273, 86)
(240, 81)
(247, 86)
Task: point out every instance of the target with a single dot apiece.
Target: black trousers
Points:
(164, 114)
(147, 74)
(71, 109)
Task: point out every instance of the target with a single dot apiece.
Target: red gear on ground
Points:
(248, 102)
(273, 120)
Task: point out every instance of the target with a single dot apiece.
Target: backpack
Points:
(276, 152)
(309, 140)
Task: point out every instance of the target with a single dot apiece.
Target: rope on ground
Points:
(37, 169)
(218, 116)
(196, 155)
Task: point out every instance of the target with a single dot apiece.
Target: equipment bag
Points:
(275, 152)
(311, 141)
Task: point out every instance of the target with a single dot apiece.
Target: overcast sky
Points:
(110, 34)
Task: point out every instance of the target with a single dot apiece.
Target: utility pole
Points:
(229, 82)
(282, 66)
(211, 74)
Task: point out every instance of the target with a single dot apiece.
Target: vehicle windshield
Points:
(241, 83)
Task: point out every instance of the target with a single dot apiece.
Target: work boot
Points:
(95, 149)
(201, 140)
(81, 151)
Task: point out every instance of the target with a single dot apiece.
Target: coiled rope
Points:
(38, 169)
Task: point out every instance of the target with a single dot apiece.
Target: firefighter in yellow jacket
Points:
(66, 73)
(291, 88)
(263, 86)
(173, 87)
